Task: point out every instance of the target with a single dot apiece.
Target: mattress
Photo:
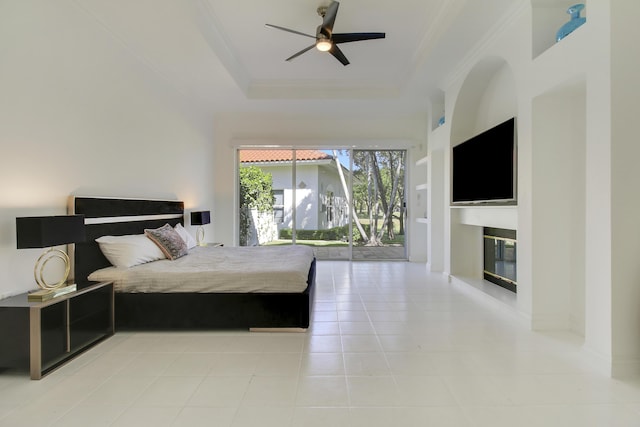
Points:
(277, 269)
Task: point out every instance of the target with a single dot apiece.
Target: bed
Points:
(184, 305)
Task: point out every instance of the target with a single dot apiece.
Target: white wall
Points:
(559, 152)
(79, 114)
(625, 200)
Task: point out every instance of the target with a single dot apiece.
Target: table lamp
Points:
(200, 218)
(47, 232)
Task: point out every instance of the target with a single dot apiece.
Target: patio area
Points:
(360, 253)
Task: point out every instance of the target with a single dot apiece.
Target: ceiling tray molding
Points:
(321, 89)
(210, 28)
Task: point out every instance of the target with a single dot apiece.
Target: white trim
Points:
(117, 219)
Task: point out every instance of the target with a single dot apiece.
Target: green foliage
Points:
(357, 237)
(379, 187)
(256, 192)
(335, 233)
(256, 189)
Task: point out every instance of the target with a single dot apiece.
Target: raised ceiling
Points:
(221, 56)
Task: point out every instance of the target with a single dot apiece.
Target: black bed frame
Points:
(142, 311)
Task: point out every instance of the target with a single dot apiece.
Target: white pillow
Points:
(188, 239)
(129, 250)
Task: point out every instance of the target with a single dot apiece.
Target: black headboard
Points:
(116, 217)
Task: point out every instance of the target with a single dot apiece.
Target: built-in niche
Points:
(547, 17)
(437, 109)
(487, 98)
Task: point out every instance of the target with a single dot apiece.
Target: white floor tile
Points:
(141, 415)
(424, 391)
(373, 391)
(320, 417)
(322, 392)
(322, 364)
(234, 364)
(174, 391)
(271, 391)
(220, 391)
(118, 390)
(366, 364)
(323, 344)
(360, 344)
(263, 417)
(204, 417)
(389, 345)
(83, 415)
(190, 365)
(279, 364)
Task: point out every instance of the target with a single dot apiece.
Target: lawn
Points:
(398, 241)
(323, 243)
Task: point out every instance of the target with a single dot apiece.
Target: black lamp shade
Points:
(200, 218)
(48, 231)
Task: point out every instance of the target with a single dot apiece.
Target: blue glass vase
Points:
(575, 21)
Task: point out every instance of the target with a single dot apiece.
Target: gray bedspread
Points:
(218, 269)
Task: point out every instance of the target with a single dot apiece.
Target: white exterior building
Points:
(320, 198)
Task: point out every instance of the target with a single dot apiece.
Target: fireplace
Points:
(500, 257)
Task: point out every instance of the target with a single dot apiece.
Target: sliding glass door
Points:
(379, 207)
(295, 197)
(346, 204)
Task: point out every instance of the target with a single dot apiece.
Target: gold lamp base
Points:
(47, 290)
(200, 237)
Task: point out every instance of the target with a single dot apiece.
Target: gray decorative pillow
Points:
(168, 240)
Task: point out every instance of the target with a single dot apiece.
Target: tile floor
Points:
(390, 345)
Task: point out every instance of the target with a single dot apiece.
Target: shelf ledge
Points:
(422, 161)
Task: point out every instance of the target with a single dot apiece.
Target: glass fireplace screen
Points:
(500, 256)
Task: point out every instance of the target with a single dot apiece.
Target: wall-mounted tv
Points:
(484, 167)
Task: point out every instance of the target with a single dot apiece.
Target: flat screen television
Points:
(484, 167)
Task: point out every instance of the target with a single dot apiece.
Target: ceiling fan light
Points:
(323, 45)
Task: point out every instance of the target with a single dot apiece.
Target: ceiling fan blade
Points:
(295, 55)
(290, 30)
(335, 51)
(330, 16)
(354, 37)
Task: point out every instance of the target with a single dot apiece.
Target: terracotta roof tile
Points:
(255, 156)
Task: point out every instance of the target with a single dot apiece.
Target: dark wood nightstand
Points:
(41, 336)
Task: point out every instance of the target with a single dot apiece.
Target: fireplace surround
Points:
(500, 255)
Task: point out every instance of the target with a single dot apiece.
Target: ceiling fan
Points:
(326, 40)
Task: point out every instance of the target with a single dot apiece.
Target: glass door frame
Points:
(403, 201)
(348, 181)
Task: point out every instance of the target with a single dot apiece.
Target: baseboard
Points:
(290, 330)
(550, 322)
(616, 367)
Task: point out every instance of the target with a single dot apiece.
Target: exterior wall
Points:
(312, 184)
(306, 194)
(330, 182)
(262, 228)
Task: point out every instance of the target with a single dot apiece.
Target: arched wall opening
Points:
(486, 98)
